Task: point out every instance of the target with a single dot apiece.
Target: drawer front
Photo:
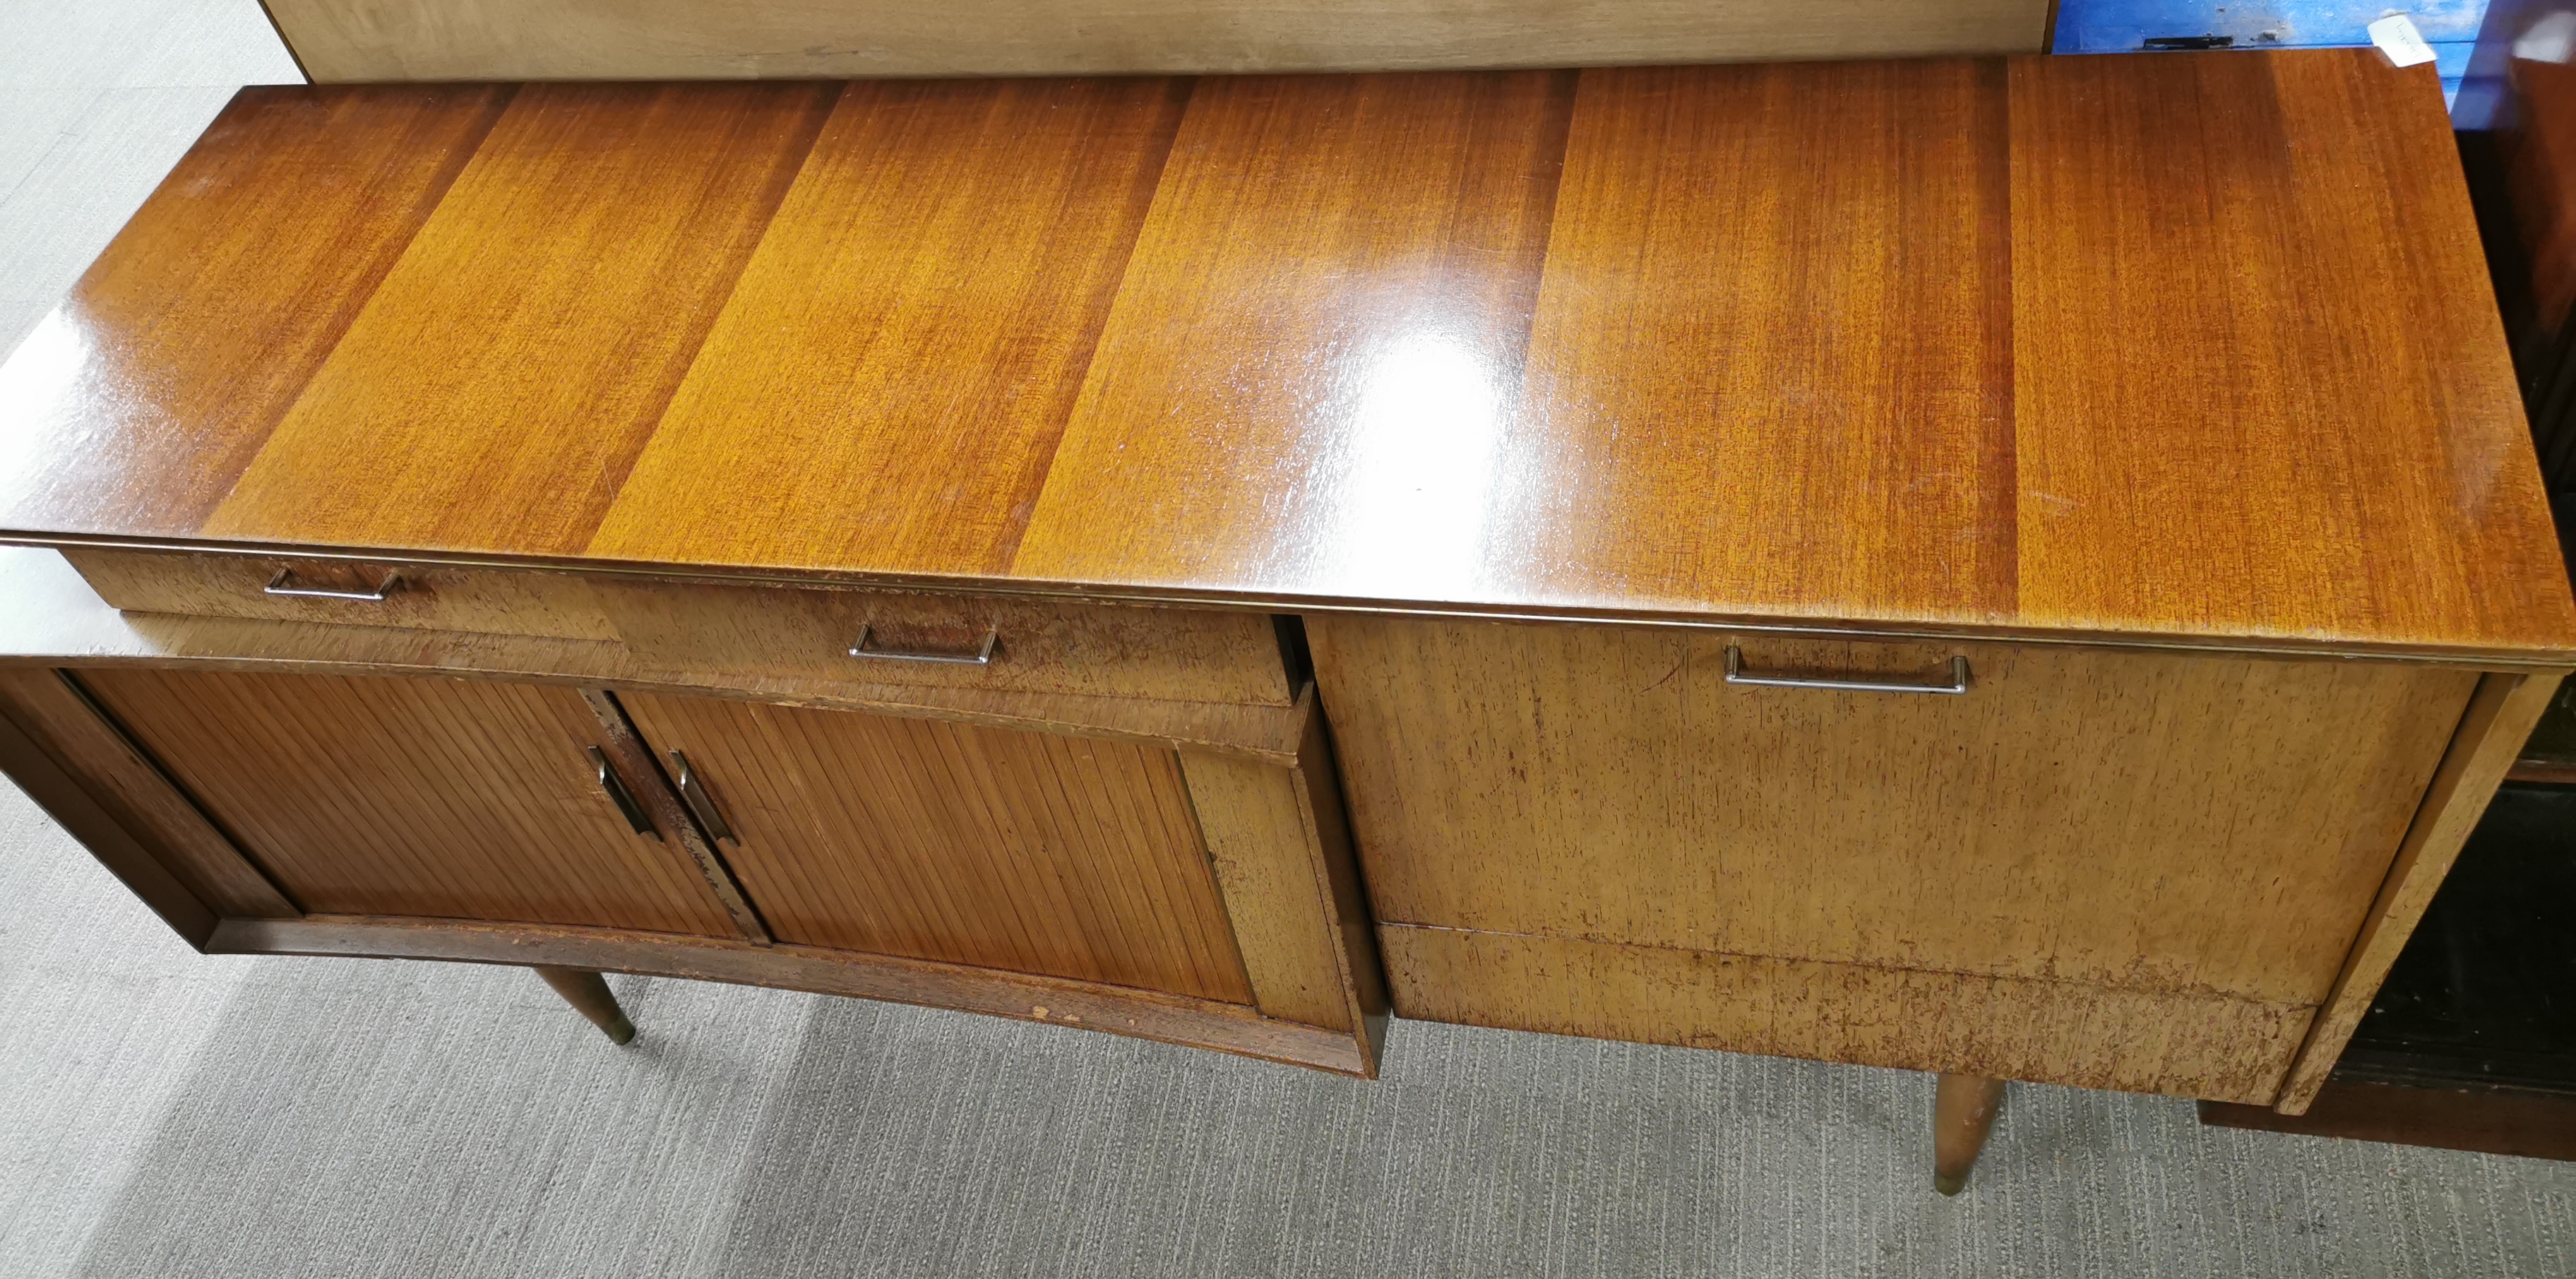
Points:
(285, 588)
(2170, 824)
(911, 638)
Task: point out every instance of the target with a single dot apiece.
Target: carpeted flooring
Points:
(163, 1113)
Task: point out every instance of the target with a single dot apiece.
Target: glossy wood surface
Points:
(357, 40)
(1932, 346)
(1022, 852)
(2149, 822)
(453, 798)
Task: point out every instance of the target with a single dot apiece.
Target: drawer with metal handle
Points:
(936, 639)
(290, 588)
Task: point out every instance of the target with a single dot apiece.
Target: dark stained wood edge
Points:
(2284, 646)
(2492, 730)
(2494, 1121)
(1173, 1019)
(307, 72)
(1337, 873)
(2547, 772)
(61, 795)
(633, 757)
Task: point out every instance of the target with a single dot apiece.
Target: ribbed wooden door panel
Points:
(1031, 852)
(459, 799)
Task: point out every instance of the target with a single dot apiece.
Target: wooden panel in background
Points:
(918, 321)
(187, 340)
(2086, 1036)
(681, 39)
(509, 368)
(2155, 822)
(459, 799)
(60, 721)
(1024, 852)
(1325, 308)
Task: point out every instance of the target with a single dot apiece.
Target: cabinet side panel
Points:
(1025, 852)
(2210, 1046)
(2182, 823)
(1257, 839)
(70, 803)
(343, 40)
(2491, 733)
(133, 791)
(458, 799)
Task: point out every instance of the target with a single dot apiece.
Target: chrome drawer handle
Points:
(980, 657)
(278, 586)
(618, 794)
(1957, 683)
(700, 802)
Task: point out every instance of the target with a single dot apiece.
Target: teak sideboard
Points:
(2023, 568)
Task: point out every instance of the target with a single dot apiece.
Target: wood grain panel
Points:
(1040, 646)
(918, 321)
(678, 39)
(564, 283)
(2499, 718)
(52, 618)
(140, 400)
(1120, 1010)
(1015, 851)
(2191, 1045)
(2254, 450)
(1324, 315)
(2158, 823)
(1773, 349)
(63, 724)
(1273, 896)
(435, 597)
(73, 805)
(451, 798)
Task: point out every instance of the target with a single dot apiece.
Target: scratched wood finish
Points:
(1610, 341)
(1039, 646)
(1015, 851)
(434, 597)
(2074, 1033)
(381, 796)
(344, 40)
(2157, 823)
(54, 619)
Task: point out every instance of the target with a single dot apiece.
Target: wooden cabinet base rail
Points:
(1233, 1028)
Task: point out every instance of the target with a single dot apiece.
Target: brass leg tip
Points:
(1949, 1183)
(622, 1033)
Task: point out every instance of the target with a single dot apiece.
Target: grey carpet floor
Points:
(163, 1113)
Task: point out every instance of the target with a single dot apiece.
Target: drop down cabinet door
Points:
(424, 798)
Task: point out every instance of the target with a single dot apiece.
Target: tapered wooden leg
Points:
(1963, 1112)
(588, 994)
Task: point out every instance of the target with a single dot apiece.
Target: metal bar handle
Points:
(1957, 683)
(278, 586)
(700, 802)
(617, 793)
(980, 657)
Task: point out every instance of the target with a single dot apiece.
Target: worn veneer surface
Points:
(2176, 346)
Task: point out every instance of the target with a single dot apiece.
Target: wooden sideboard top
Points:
(2184, 347)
